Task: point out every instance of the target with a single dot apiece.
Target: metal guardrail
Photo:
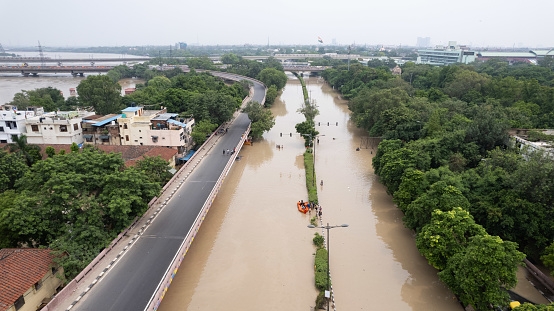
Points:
(171, 271)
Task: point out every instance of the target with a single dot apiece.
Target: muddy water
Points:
(254, 250)
(374, 262)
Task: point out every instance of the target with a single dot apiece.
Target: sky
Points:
(477, 23)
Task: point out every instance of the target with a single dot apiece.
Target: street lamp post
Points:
(328, 251)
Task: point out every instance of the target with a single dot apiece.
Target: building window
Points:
(88, 139)
(125, 126)
(19, 302)
(3, 141)
(127, 137)
(76, 126)
(34, 128)
(63, 128)
(14, 137)
(1, 128)
(11, 124)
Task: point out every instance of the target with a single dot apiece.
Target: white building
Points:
(156, 128)
(56, 128)
(12, 124)
(446, 55)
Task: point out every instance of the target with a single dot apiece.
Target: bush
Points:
(321, 269)
(309, 167)
(313, 221)
(320, 300)
(318, 239)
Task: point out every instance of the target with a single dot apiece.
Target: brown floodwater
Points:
(255, 252)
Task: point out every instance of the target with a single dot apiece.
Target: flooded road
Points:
(254, 250)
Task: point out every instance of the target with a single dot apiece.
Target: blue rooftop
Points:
(108, 120)
(176, 123)
(131, 109)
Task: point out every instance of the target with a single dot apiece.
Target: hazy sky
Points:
(140, 22)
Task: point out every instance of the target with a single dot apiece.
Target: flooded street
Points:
(255, 252)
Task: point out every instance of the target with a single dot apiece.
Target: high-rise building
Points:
(182, 46)
(423, 42)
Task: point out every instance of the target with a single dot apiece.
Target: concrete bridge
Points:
(35, 70)
(306, 68)
(136, 269)
(69, 60)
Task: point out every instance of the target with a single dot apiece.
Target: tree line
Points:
(477, 203)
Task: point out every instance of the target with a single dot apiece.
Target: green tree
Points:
(31, 153)
(202, 130)
(12, 167)
(447, 234)
(262, 118)
(479, 273)
(548, 258)
(307, 130)
(440, 196)
(309, 110)
(100, 92)
(272, 76)
(50, 151)
(270, 96)
(74, 147)
(156, 168)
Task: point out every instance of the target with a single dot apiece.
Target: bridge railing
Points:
(68, 290)
(171, 271)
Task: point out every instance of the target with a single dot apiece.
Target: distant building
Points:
(130, 90)
(28, 278)
(533, 56)
(396, 71)
(12, 124)
(448, 55)
(182, 46)
(56, 128)
(423, 42)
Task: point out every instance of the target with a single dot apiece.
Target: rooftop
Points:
(131, 109)
(20, 268)
(107, 119)
(165, 116)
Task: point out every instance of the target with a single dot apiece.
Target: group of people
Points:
(311, 207)
(228, 152)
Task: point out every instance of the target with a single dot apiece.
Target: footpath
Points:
(74, 291)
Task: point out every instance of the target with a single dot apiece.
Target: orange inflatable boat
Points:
(302, 207)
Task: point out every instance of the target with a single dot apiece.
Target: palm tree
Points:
(31, 153)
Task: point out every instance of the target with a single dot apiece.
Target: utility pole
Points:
(349, 49)
(41, 54)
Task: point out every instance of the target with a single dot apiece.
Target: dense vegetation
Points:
(74, 202)
(475, 201)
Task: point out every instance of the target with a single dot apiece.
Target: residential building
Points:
(56, 128)
(101, 130)
(155, 127)
(12, 124)
(446, 55)
(28, 278)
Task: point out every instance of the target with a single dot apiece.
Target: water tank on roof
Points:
(182, 120)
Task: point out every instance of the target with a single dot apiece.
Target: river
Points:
(254, 250)
(13, 83)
